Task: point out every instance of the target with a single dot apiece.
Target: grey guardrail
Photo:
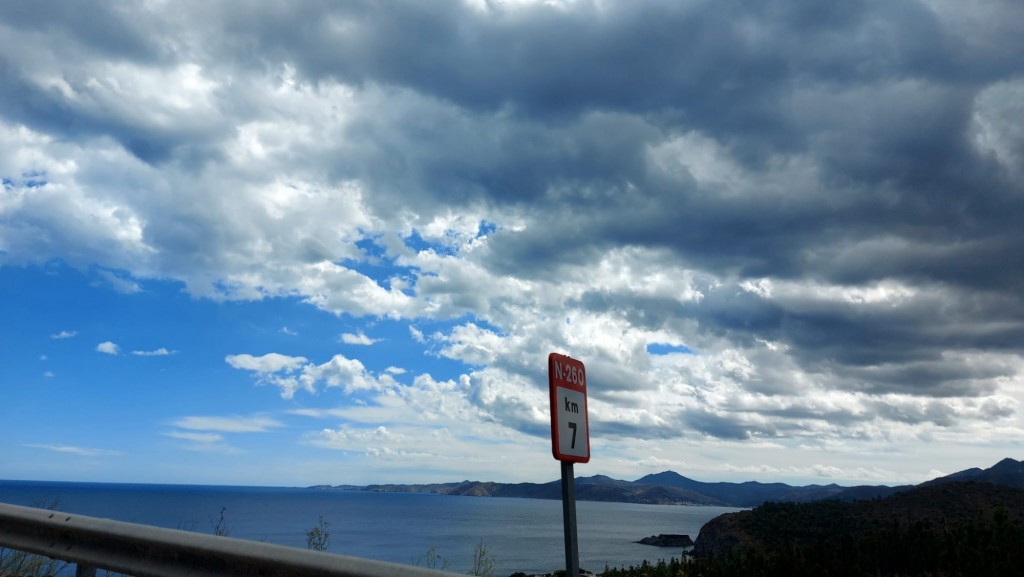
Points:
(146, 551)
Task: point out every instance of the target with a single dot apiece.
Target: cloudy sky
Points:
(291, 243)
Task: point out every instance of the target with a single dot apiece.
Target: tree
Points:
(432, 560)
(318, 537)
(220, 526)
(484, 564)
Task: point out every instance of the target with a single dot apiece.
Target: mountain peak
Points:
(1008, 464)
(670, 478)
(598, 480)
(1007, 472)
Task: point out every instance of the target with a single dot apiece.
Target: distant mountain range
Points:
(671, 488)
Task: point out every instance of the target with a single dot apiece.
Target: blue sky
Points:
(335, 242)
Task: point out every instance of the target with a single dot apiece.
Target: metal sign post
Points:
(572, 544)
(570, 441)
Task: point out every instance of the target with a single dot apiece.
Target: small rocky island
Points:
(667, 540)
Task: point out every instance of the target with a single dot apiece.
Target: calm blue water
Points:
(522, 534)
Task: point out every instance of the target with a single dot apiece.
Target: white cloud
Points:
(205, 434)
(291, 374)
(64, 335)
(75, 450)
(268, 363)
(229, 424)
(212, 443)
(161, 352)
(319, 413)
(276, 369)
(357, 339)
(661, 464)
(108, 347)
(289, 332)
(120, 282)
(196, 437)
(340, 290)
(349, 374)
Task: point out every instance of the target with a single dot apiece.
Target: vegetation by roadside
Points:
(20, 563)
(992, 544)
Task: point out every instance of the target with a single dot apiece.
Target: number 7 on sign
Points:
(572, 426)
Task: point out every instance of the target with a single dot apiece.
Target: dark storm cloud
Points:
(720, 426)
(634, 56)
(465, 158)
(733, 69)
(108, 29)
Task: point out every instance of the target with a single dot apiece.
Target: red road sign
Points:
(570, 430)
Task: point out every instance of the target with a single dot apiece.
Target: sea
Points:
(519, 534)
